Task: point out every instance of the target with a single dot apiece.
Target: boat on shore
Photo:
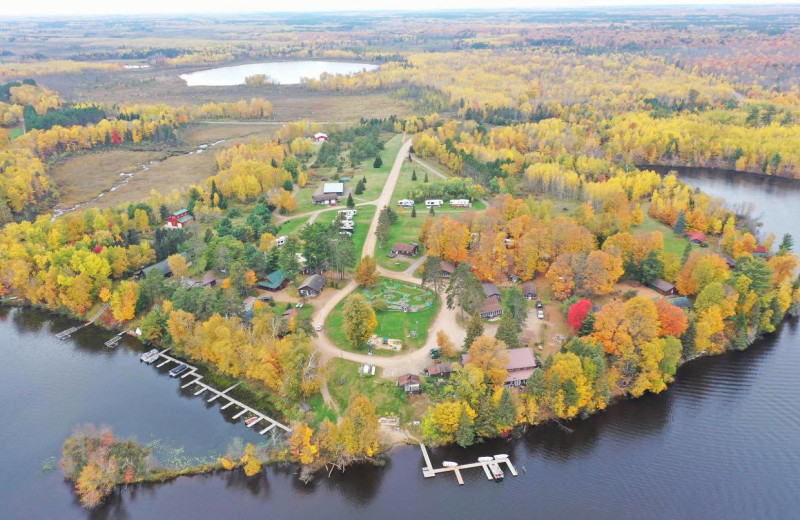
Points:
(449, 464)
(497, 473)
(149, 356)
(251, 421)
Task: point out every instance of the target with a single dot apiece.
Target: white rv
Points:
(460, 203)
(348, 213)
(434, 203)
(405, 203)
(281, 240)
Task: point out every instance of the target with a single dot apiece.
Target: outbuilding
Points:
(529, 290)
(312, 286)
(409, 383)
(335, 188)
(696, 237)
(275, 281)
(325, 199)
(490, 290)
(405, 249)
(491, 308)
(663, 287)
(447, 268)
(179, 219)
(320, 137)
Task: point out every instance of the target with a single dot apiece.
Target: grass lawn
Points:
(291, 226)
(406, 229)
(391, 323)
(320, 410)
(362, 221)
(672, 243)
(13, 133)
(344, 381)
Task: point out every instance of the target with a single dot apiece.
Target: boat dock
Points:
(65, 334)
(429, 471)
(113, 341)
(219, 394)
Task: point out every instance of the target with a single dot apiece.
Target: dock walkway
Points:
(220, 394)
(428, 471)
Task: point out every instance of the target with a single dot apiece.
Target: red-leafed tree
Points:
(672, 319)
(577, 313)
(115, 138)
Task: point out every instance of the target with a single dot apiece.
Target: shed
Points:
(490, 290)
(335, 188)
(179, 219)
(328, 199)
(529, 290)
(409, 383)
(320, 137)
(447, 268)
(681, 301)
(760, 252)
(440, 370)
(491, 308)
(663, 287)
(312, 285)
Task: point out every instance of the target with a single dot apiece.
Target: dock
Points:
(428, 471)
(65, 334)
(219, 394)
(113, 341)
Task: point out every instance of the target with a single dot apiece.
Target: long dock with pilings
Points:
(429, 471)
(219, 394)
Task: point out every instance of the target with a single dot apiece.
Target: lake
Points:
(722, 442)
(282, 72)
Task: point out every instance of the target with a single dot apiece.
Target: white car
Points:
(540, 314)
(319, 328)
(299, 305)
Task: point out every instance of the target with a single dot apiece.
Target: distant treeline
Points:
(5, 88)
(66, 117)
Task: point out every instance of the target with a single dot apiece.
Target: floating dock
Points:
(203, 387)
(428, 471)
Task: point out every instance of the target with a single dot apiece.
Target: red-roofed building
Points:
(696, 237)
(179, 219)
(760, 252)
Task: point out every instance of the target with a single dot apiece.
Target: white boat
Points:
(501, 456)
(485, 459)
(251, 421)
(449, 464)
(150, 356)
(496, 471)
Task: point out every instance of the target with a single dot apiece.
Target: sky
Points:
(100, 7)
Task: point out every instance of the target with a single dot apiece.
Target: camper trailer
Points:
(434, 203)
(460, 203)
(405, 203)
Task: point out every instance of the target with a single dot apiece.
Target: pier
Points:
(65, 334)
(113, 341)
(220, 394)
(429, 471)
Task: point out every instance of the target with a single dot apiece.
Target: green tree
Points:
(486, 420)
(506, 411)
(288, 261)
(413, 212)
(516, 305)
(465, 289)
(537, 384)
(465, 434)
(383, 229)
(426, 177)
(432, 274)
(680, 224)
(508, 330)
(359, 319)
(350, 202)
(757, 270)
(786, 245)
(378, 162)
(474, 330)
(414, 174)
(687, 251)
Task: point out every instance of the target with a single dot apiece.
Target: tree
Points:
(642, 317)
(446, 345)
(464, 288)
(123, 301)
(432, 274)
(516, 305)
(378, 162)
(359, 429)
(508, 331)
(671, 319)
(561, 277)
(577, 314)
(178, 265)
(414, 212)
(491, 356)
(432, 211)
(288, 259)
(602, 272)
(384, 225)
(426, 180)
(786, 245)
(414, 174)
(366, 274)
(359, 187)
(474, 330)
(700, 270)
(359, 319)
(465, 433)
(506, 411)
(680, 224)
(350, 202)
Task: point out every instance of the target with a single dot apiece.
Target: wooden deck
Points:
(203, 387)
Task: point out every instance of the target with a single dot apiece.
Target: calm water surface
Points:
(283, 72)
(722, 442)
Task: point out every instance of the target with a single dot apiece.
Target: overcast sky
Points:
(89, 7)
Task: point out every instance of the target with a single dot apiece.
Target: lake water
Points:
(283, 72)
(722, 442)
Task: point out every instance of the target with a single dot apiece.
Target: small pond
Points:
(281, 72)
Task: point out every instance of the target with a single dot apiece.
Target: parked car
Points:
(539, 304)
(319, 328)
(435, 353)
(299, 305)
(540, 314)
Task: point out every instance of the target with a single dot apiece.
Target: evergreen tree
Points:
(350, 202)
(474, 330)
(465, 434)
(359, 187)
(486, 420)
(740, 339)
(426, 177)
(537, 384)
(506, 410)
(587, 326)
(786, 245)
(686, 252)
(287, 260)
(414, 174)
(680, 224)
(432, 211)
(378, 162)
(687, 340)
(515, 303)
(508, 330)
(414, 212)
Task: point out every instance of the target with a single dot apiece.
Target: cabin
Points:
(529, 290)
(162, 266)
(405, 249)
(325, 199)
(447, 268)
(312, 286)
(320, 137)
(511, 271)
(696, 237)
(760, 252)
(440, 370)
(491, 308)
(333, 188)
(490, 290)
(179, 219)
(275, 281)
(520, 366)
(663, 287)
(409, 383)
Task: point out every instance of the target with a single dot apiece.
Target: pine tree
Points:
(432, 212)
(350, 202)
(508, 330)
(414, 212)
(786, 245)
(426, 177)
(414, 174)
(587, 327)
(486, 420)
(465, 434)
(506, 410)
(680, 224)
(474, 330)
(686, 252)
(378, 162)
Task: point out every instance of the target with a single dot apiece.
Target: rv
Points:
(433, 203)
(405, 203)
(348, 213)
(460, 203)
(281, 240)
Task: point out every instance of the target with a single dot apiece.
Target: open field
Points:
(672, 243)
(391, 323)
(344, 381)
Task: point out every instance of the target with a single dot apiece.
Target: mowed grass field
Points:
(391, 323)
(344, 382)
(672, 243)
